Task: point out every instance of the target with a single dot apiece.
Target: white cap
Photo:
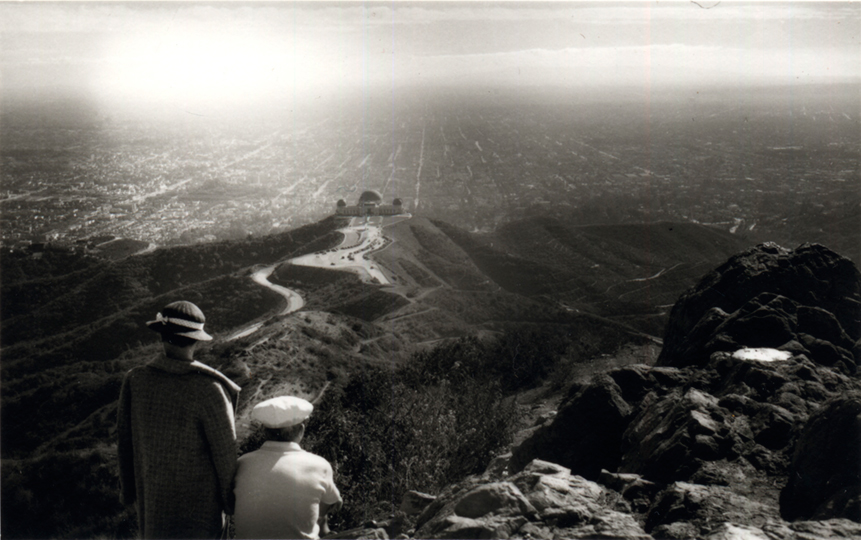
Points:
(282, 411)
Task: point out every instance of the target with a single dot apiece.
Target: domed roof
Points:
(342, 203)
(370, 196)
(397, 202)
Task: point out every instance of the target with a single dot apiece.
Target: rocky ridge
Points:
(748, 426)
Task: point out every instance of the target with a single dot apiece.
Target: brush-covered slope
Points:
(631, 273)
(738, 442)
(72, 325)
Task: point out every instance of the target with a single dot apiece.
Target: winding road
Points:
(361, 238)
(294, 300)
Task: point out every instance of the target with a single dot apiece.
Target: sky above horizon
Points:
(231, 52)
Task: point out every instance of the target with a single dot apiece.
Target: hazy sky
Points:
(228, 51)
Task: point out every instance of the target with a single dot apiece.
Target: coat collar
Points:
(281, 446)
(172, 365)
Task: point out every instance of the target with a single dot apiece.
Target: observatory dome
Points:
(371, 196)
(342, 203)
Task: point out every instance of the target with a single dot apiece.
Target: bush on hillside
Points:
(64, 495)
(385, 436)
(438, 419)
(518, 359)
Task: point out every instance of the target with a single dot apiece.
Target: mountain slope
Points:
(73, 325)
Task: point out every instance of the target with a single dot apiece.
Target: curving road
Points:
(361, 238)
(294, 300)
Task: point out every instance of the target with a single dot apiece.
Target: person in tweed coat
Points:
(176, 435)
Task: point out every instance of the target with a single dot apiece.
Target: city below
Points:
(88, 178)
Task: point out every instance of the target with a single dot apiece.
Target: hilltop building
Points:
(370, 204)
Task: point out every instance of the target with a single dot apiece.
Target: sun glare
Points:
(204, 67)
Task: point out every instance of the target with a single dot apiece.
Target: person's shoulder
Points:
(136, 373)
(211, 377)
(320, 460)
(248, 456)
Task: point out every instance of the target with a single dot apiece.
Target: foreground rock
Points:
(756, 389)
(542, 501)
(748, 428)
(808, 299)
(825, 475)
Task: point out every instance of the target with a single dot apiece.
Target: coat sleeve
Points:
(332, 496)
(220, 430)
(125, 448)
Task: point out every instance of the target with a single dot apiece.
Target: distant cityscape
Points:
(743, 169)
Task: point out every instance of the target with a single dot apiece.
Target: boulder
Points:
(763, 296)
(633, 487)
(586, 433)
(731, 531)
(668, 438)
(680, 530)
(414, 502)
(475, 510)
(812, 530)
(501, 498)
(703, 507)
(544, 500)
(825, 472)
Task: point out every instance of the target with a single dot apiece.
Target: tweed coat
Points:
(177, 447)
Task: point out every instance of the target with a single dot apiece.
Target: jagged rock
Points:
(704, 506)
(500, 498)
(766, 297)
(633, 487)
(805, 530)
(634, 382)
(665, 441)
(544, 500)
(585, 436)
(731, 531)
(825, 474)
(498, 465)
(773, 321)
(454, 526)
(550, 488)
(414, 502)
(812, 530)
(618, 482)
(500, 507)
(680, 530)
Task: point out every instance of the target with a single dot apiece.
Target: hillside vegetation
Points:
(386, 363)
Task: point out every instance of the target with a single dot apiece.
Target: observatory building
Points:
(370, 204)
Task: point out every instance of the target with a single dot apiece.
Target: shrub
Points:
(46, 497)
(386, 433)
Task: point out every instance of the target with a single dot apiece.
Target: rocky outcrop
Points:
(806, 300)
(756, 389)
(544, 500)
(749, 424)
(598, 410)
(414, 502)
(825, 474)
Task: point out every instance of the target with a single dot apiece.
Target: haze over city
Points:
(177, 122)
(199, 55)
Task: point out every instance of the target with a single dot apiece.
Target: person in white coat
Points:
(281, 490)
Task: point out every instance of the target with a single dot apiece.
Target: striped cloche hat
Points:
(182, 319)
